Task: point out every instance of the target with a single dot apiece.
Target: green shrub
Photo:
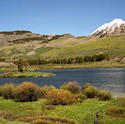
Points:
(121, 101)
(27, 92)
(60, 97)
(86, 85)
(91, 92)
(116, 111)
(80, 97)
(73, 87)
(8, 91)
(104, 95)
(45, 89)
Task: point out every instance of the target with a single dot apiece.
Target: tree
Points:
(21, 65)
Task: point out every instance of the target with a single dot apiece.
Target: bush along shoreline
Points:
(68, 93)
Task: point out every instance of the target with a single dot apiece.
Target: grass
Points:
(20, 108)
(82, 113)
(114, 46)
(26, 74)
(4, 121)
(78, 66)
(4, 67)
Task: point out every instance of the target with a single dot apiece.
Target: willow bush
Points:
(28, 91)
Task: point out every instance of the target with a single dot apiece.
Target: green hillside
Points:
(114, 46)
(66, 46)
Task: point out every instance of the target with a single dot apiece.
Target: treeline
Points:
(73, 60)
(15, 32)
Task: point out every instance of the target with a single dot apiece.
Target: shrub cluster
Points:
(24, 92)
(119, 109)
(67, 94)
(80, 97)
(121, 101)
(73, 87)
(93, 92)
(8, 91)
(59, 97)
(116, 111)
(104, 95)
(45, 89)
(27, 92)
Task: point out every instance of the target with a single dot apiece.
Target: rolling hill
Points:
(59, 46)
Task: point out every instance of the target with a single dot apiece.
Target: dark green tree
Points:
(21, 65)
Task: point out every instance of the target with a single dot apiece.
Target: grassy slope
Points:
(67, 46)
(114, 46)
(81, 112)
(73, 46)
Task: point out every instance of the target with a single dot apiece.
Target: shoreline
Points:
(76, 66)
(105, 64)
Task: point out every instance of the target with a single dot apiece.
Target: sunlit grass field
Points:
(81, 113)
(114, 46)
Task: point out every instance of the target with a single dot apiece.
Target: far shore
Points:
(104, 64)
(78, 66)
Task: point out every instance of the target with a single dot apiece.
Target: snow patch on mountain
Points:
(109, 27)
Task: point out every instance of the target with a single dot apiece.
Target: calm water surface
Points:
(112, 79)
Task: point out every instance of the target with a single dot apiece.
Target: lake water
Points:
(112, 79)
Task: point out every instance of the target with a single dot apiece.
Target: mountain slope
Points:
(115, 27)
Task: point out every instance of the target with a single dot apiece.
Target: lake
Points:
(112, 79)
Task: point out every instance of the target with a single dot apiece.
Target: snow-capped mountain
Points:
(115, 27)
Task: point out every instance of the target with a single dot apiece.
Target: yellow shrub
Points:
(8, 91)
(27, 92)
(62, 97)
(45, 89)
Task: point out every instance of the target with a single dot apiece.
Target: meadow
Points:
(94, 105)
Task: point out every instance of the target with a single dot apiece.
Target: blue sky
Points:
(78, 17)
